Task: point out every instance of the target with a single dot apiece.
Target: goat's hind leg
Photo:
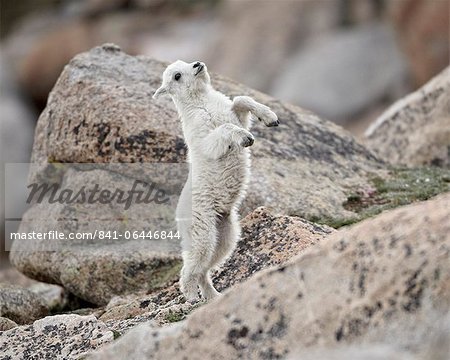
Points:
(228, 230)
(206, 286)
(197, 255)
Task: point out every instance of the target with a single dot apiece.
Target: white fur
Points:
(216, 133)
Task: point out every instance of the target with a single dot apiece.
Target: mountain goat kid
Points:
(216, 131)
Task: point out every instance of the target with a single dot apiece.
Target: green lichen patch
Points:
(333, 222)
(116, 334)
(175, 316)
(402, 186)
(181, 314)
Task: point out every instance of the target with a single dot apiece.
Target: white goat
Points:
(216, 133)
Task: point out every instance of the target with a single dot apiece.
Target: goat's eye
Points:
(177, 76)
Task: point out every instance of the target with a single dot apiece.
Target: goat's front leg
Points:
(244, 104)
(225, 138)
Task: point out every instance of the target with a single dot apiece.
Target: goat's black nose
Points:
(197, 64)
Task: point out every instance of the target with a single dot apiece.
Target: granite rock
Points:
(416, 129)
(55, 337)
(21, 305)
(97, 267)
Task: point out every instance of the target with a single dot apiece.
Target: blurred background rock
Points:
(346, 60)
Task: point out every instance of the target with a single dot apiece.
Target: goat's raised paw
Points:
(267, 116)
(241, 137)
(246, 138)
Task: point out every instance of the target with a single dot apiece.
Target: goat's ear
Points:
(161, 91)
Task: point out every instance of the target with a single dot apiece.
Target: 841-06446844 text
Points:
(98, 234)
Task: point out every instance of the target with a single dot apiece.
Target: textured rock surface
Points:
(407, 340)
(416, 129)
(54, 297)
(55, 337)
(267, 240)
(420, 335)
(360, 280)
(21, 305)
(140, 343)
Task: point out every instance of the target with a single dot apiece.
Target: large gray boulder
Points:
(416, 129)
(362, 284)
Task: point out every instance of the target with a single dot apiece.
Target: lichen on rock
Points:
(55, 337)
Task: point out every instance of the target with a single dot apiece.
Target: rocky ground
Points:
(298, 284)
(341, 291)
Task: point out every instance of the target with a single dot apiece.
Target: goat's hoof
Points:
(273, 123)
(249, 141)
